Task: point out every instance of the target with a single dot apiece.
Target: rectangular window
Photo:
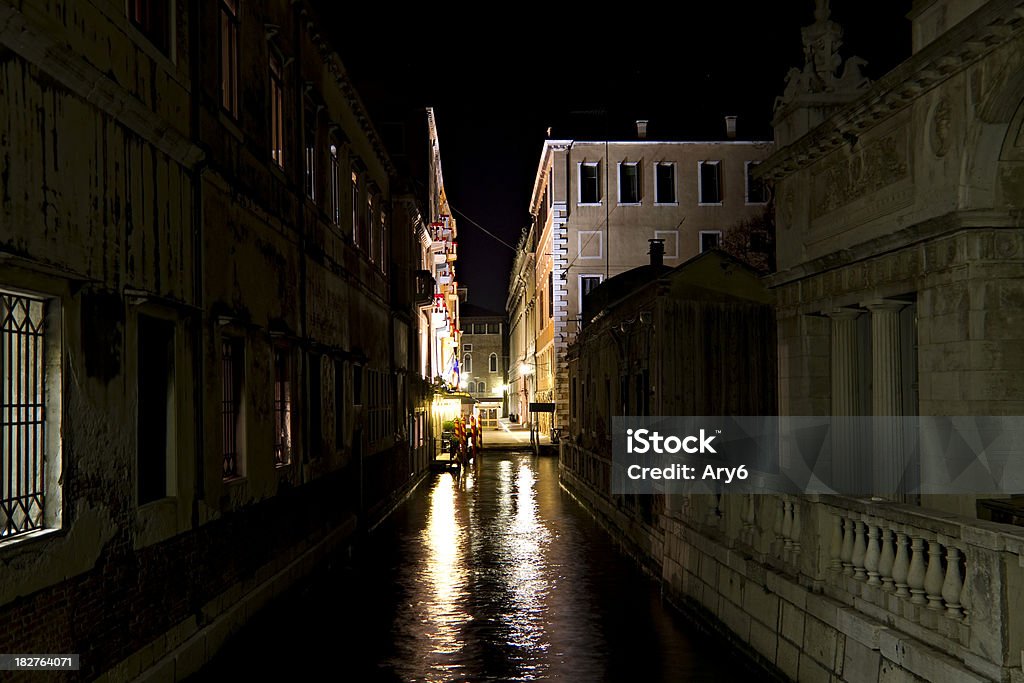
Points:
(493, 328)
(339, 404)
(355, 207)
(710, 239)
(383, 241)
(24, 428)
(365, 226)
(335, 186)
(229, 56)
(629, 183)
(316, 419)
(551, 294)
(282, 407)
(153, 19)
(309, 140)
(710, 178)
(276, 110)
(587, 283)
(357, 385)
(155, 392)
(590, 187)
(757, 193)
(232, 363)
(468, 347)
(665, 183)
(492, 363)
(540, 310)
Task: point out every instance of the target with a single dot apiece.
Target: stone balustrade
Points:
(951, 582)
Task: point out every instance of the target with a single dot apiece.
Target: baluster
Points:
(915, 577)
(835, 548)
(933, 577)
(886, 560)
(787, 525)
(748, 518)
(901, 566)
(965, 594)
(846, 555)
(871, 557)
(796, 528)
(859, 550)
(953, 584)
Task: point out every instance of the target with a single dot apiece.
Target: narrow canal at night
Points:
(498, 577)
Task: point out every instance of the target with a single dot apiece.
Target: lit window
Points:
(710, 178)
(153, 19)
(232, 359)
(229, 56)
(590, 190)
(282, 407)
(355, 207)
(309, 141)
(629, 183)
(710, 239)
(365, 232)
(276, 111)
(30, 465)
(335, 186)
(757, 193)
(665, 183)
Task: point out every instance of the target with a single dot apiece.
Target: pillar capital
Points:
(844, 313)
(885, 305)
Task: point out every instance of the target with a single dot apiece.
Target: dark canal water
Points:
(498, 577)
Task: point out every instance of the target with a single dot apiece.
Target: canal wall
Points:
(704, 552)
(295, 548)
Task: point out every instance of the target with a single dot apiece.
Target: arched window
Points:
(467, 363)
(492, 363)
(481, 387)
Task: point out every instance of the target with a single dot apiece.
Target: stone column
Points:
(847, 454)
(887, 398)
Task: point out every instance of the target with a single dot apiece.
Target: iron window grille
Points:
(232, 372)
(22, 414)
(282, 408)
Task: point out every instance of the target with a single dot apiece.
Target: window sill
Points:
(755, 203)
(589, 204)
(666, 203)
(630, 204)
(709, 203)
(27, 538)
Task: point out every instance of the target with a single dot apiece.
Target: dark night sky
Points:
(496, 84)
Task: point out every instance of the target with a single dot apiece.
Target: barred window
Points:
(282, 408)
(232, 383)
(23, 423)
(229, 56)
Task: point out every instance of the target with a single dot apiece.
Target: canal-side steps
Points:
(826, 588)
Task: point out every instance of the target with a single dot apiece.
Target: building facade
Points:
(900, 255)
(483, 361)
(207, 329)
(596, 203)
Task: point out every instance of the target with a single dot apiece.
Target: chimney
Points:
(730, 127)
(641, 128)
(657, 252)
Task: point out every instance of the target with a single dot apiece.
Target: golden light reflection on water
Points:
(444, 573)
(525, 552)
